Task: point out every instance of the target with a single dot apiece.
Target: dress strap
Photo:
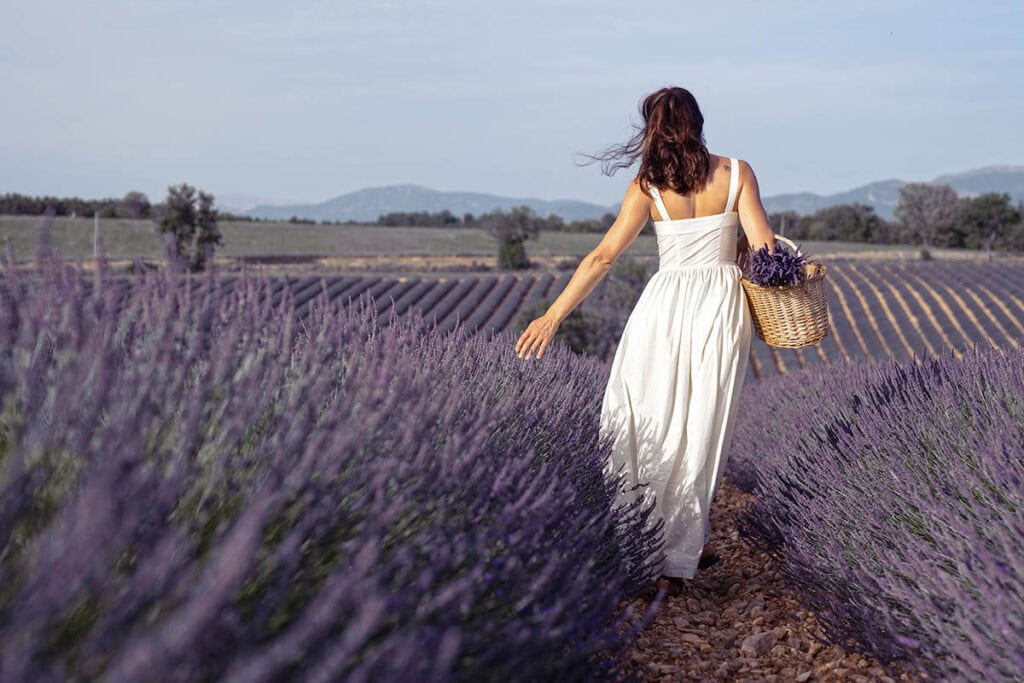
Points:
(660, 204)
(734, 183)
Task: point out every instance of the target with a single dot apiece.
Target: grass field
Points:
(124, 238)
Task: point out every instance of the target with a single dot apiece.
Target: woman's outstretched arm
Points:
(633, 215)
(752, 214)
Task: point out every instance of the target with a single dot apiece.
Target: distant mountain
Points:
(884, 195)
(369, 203)
(240, 202)
(988, 179)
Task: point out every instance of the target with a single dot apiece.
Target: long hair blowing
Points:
(670, 144)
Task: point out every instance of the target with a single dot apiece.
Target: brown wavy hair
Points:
(670, 144)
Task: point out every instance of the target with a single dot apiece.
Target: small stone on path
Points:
(758, 644)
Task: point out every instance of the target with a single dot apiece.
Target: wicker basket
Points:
(790, 316)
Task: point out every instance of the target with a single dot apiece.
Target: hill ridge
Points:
(367, 203)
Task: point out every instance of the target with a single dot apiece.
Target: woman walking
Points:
(676, 376)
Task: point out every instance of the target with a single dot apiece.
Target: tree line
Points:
(926, 215)
(446, 219)
(136, 205)
(132, 205)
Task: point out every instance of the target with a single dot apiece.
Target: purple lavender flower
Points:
(196, 485)
(896, 491)
(780, 267)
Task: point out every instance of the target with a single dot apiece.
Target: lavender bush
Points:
(775, 268)
(893, 493)
(194, 486)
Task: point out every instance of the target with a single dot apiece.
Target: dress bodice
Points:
(703, 241)
(700, 241)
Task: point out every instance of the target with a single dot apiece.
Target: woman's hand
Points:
(537, 335)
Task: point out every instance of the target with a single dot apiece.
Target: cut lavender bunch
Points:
(779, 268)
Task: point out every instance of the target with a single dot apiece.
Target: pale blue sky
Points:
(307, 100)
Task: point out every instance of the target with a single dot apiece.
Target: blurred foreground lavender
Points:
(197, 487)
(894, 493)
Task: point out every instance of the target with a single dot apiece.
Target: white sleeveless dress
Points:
(676, 377)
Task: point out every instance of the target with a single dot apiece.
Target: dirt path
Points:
(737, 621)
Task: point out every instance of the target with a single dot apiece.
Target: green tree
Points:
(928, 212)
(1012, 238)
(984, 219)
(789, 224)
(511, 230)
(191, 221)
(848, 222)
(134, 205)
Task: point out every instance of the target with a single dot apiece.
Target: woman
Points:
(677, 373)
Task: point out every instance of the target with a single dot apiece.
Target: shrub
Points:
(195, 486)
(189, 223)
(512, 254)
(892, 493)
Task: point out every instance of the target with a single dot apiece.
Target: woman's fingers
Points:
(534, 340)
(529, 342)
(525, 340)
(543, 345)
(531, 347)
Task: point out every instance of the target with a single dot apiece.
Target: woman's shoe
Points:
(670, 585)
(707, 560)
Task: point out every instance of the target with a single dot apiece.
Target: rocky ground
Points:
(737, 621)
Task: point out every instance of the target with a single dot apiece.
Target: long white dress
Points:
(676, 377)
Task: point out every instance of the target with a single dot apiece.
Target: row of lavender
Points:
(202, 486)
(877, 310)
(893, 496)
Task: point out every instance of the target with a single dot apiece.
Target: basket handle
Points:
(796, 249)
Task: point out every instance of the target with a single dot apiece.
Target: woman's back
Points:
(709, 201)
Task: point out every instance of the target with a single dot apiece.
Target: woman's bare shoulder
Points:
(637, 188)
(747, 175)
(722, 165)
(744, 167)
(724, 162)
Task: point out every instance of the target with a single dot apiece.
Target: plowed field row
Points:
(876, 309)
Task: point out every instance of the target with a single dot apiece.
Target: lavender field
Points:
(892, 494)
(253, 478)
(201, 486)
(879, 310)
